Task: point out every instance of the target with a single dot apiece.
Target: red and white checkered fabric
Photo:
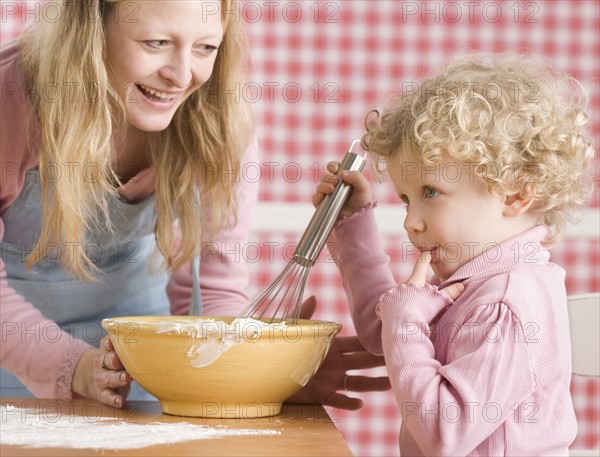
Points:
(320, 65)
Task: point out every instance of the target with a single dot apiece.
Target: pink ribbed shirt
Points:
(485, 375)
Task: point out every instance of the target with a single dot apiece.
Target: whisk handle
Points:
(321, 224)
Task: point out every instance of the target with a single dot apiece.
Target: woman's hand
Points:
(101, 375)
(361, 190)
(346, 353)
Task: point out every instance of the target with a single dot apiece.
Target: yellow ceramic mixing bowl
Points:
(218, 367)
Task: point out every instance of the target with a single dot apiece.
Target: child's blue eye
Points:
(430, 192)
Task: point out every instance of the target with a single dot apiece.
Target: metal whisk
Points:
(284, 295)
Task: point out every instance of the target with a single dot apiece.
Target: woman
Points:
(118, 144)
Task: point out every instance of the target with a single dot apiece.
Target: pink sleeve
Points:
(443, 406)
(32, 347)
(365, 272)
(224, 274)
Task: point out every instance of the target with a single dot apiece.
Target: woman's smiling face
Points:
(158, 54)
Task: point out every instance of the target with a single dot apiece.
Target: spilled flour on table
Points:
(31, 427)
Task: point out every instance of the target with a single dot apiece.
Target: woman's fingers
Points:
(116, 379)
(108, 356)
(308, 307)
(362, 360)
(341, 401)
(106, 343)
(109, 360)
(111, 398)
(347, 344)
(109, 376)
(346, 353)
(112, 372)
(108, 384)
(358, 383)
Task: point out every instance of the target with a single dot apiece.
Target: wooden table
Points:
(304, 431)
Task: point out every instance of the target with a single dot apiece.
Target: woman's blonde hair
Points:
(193, 157)
(517, 121)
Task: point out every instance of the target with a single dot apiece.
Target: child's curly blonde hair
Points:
(518, 122)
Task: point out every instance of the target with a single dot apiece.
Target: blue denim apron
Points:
(127, 287)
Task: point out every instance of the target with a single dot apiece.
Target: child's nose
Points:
(413, 222)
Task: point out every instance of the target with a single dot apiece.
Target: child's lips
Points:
(432, 251)
(434, 255)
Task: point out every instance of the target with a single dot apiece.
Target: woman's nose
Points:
(178, 69)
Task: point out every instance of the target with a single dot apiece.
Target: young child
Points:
(489, 158)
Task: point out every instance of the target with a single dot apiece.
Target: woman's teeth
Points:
(155, 93)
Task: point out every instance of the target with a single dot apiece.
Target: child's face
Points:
(449, 212)
(158, 54)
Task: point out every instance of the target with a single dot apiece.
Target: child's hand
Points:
(419, 277)
(359, 197)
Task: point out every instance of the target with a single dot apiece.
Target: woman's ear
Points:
(516, 204)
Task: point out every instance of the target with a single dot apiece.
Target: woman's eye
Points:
(156, 43)
(430, 192)
(404, 198)
(207, 49)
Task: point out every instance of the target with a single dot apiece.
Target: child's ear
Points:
(516, 204)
